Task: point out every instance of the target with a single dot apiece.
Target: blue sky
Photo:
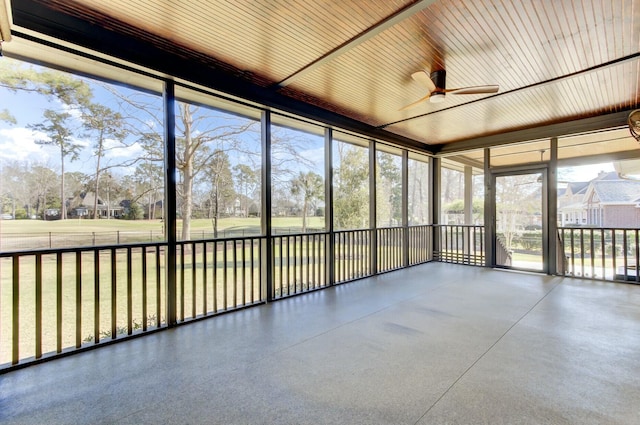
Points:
(17, 141)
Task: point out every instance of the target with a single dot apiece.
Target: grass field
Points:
(20, 235)
(90, 225)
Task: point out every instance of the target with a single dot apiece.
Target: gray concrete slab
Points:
(436, 343)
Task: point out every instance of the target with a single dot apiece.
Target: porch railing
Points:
(460, 244)
(352, 253)
(218, 275)
(54, 301)
(390, 248)
(420, 244)
(58, 300)
(601, 253)
(299, 263)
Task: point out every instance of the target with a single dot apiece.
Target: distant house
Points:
(607, 201)
(82, 205)
(570, 208)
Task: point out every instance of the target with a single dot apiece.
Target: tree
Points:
(389, 188)
(310, 187)
(452, 185)
(42, 181)
(516, 199)
(147, 181)
(418, 192)
(247, 186)
(112, 189)
(7, 117)
(105, 125)
(134, 212)
(69, 91)
(12, 187)
(200, 134)
(351, 183)
(57, 128)
(221, 194)
(287, 158)
(66, 88)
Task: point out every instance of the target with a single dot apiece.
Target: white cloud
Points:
(117, 150)
(81, 142)
(72, 110)
(18, 144)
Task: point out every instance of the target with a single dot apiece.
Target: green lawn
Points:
(90, 225)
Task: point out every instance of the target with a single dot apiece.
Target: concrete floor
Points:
(433, 344)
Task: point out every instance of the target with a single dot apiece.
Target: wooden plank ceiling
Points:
(554, 60)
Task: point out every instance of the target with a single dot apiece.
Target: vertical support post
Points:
(436, 200)
(265, 222)
(59, 302)
(373, 225)
(170, 199)
(15, 311)
(328, 207)
(430, 198)
(405, 208)
(468, 209)
(552, 208)
(489, 213)
(468, 194)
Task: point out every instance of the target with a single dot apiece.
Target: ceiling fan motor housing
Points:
(439, 79)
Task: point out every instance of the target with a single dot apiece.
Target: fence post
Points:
(50, 246)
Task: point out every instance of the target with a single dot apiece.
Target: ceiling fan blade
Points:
(424, 80)
(416, 103)
(474, 90)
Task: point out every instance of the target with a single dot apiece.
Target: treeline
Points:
(116, 136)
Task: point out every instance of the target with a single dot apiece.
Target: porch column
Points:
(435, 203)
(468, 194)
(373, 225)
(328, 208)
(468, 211)
(169, 213)
(489, 213)
(552, 207)
(266, 251)
(405, 208)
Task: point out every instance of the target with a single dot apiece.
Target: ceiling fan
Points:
(436, 84)
(634, 124)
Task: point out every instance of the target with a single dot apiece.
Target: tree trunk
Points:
(187, 202)
(95, 198)
(95, 192)
(215, 216)
(187, 175)
(63, 204)
(305, 206)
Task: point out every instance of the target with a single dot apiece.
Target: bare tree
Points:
(310, 187)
